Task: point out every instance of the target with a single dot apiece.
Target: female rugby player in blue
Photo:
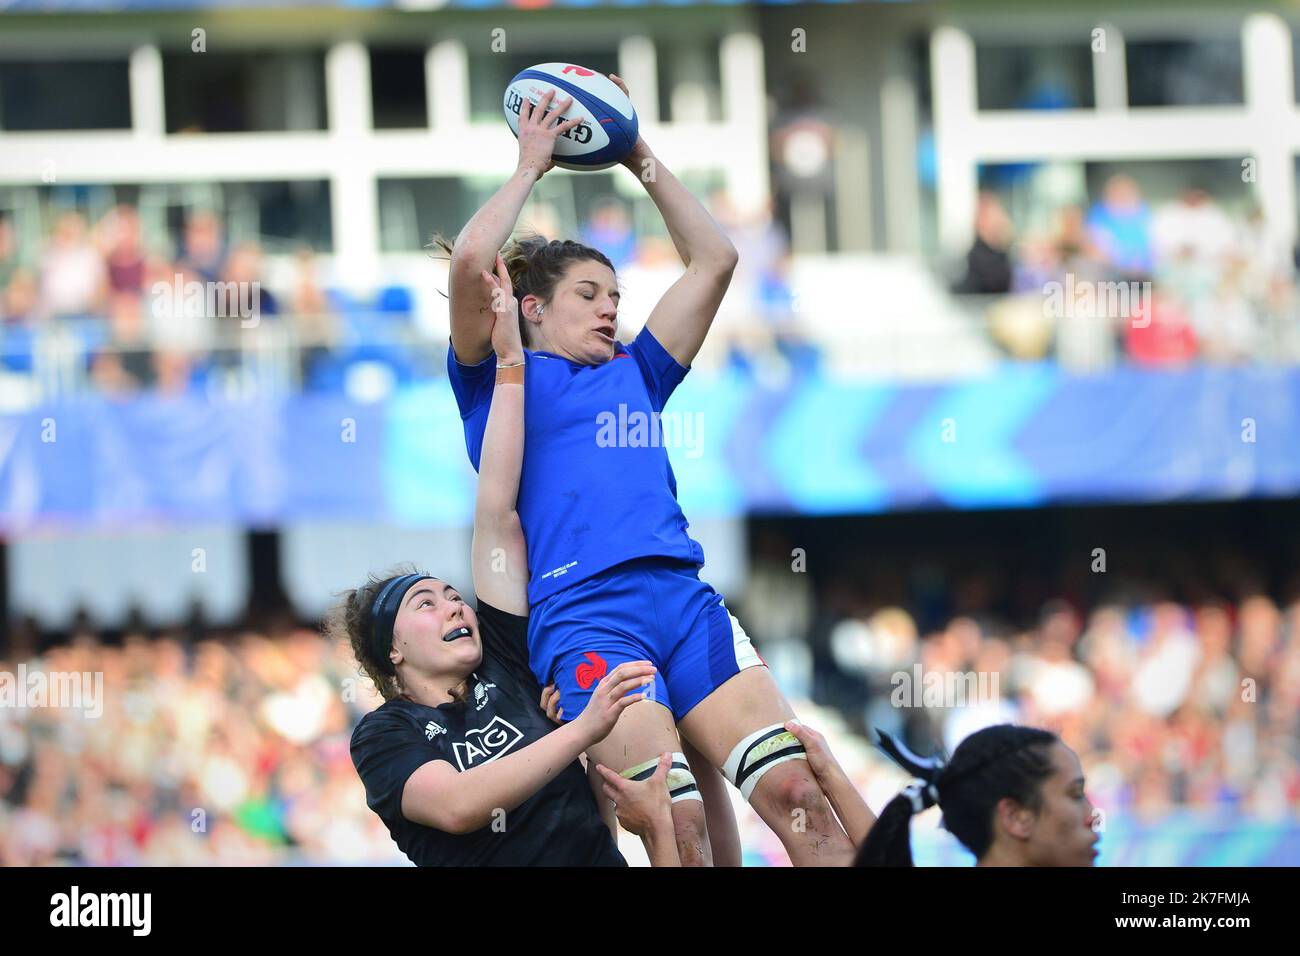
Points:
(613, 571)
(460, 761)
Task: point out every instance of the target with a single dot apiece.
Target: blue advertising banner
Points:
(1027, 436)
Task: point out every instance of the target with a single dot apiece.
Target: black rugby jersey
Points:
(557, 826)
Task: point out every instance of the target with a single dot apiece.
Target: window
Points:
(690, 80)
(64, 95)
(397, 88)
(244, 92)
(281, 216)
(1047, 76)
(1198, 72)
(412, 209)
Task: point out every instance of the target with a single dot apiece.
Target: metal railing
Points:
(63, 359)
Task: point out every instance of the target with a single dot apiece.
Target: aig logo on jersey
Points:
(486, 743)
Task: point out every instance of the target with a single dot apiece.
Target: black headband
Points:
(383, 614)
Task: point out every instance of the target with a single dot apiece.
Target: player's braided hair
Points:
(990, 764)
(536, 265)
(348, 621)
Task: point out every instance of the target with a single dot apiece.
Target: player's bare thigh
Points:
(748, 701)
(643, 732)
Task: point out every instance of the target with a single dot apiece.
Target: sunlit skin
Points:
(581, 318)
(428, 666)
(1058, 833)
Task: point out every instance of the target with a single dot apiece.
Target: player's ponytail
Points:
(989, 765)
(536, 265)
(889, 842)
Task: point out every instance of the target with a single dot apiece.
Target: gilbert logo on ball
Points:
(609, 128)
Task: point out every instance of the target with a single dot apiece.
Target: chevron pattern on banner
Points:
(1028, 436)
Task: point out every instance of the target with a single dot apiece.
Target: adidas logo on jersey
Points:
(432, 730)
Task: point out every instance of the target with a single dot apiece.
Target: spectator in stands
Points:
(1119, 226)
(124, 250)
(1161, 333)
(181, 334)
(1193, 227)
(988, 263)
(18, 300)
(244, 269)
(756, 317)
(314, 321)
(125, 363)
(609, 228)
(73, 277)
(8, 257)
(1055, 683)
(202, 247)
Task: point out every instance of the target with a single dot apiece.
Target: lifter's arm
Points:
(855, 816)
(499, 554)
(644, 808)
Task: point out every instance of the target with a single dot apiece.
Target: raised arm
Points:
(435, 795)
(499, 554)
(854, 814)
(682, 317)
(479, 242)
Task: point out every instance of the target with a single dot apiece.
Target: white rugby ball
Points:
(609, 128)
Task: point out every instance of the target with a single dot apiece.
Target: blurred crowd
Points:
(1169, 704)
(1199, 283)
(109, 303)
(232, 747)
(123, 312)
(98, 303)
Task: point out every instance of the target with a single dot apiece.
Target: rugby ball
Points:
(609, 128)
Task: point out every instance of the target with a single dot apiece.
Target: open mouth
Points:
(606, 333)
(456, 634)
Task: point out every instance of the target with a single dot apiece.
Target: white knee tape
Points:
(758, 753)
(681, 782)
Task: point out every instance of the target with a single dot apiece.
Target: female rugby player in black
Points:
(1013, 796)
(460, 762)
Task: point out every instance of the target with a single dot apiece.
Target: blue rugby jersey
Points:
(597, 488)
